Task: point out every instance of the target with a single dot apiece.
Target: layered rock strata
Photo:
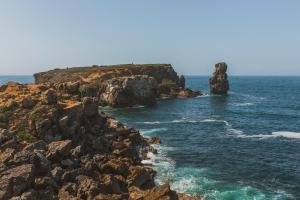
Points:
(219, 83)
(54, 144)
(120, 85)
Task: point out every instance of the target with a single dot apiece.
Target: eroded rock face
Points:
(128, 91)
(218, 82)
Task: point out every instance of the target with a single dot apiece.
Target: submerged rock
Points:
(218, 82)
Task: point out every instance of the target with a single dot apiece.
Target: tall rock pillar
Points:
(218, 82)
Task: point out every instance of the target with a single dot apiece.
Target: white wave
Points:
(287, 134)
(184, 184)
(260, 136)
(151, 131)
(243, 104)
(201, 96)
(154, 122)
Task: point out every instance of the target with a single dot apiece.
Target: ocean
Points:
(245, 145)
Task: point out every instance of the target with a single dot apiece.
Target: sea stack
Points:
(218, 82)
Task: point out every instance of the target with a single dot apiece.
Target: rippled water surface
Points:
(242, 146)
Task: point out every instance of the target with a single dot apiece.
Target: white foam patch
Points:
(287, 134)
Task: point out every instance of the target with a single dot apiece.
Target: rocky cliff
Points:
(54, 144)
(119, 85)
(219, 83)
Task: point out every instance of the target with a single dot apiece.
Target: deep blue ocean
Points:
(245, 145)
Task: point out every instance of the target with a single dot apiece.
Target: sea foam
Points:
(287, 134)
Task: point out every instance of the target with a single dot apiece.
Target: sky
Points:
(253, 37)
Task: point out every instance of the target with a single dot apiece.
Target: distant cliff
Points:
(95, 72)
(119, 85)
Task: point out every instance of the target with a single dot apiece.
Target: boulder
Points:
(27, 102)
(87, 188)
(50, 97)
(15, 181)
(58, 149)
(68, 191)
(90, 108)
(218, 82)
(139, 176)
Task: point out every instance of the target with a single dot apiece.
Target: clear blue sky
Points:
(255, 37)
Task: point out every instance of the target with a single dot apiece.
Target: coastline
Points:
(57, 145)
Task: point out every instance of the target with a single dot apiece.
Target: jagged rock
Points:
(6, 135)
(162, 192)
(57, 173)
(28, 195)
(68, 191)
(41, 183)
(218, 82)
(111, 197)
(72, 87)
(27, 102)
(90, 108)
(89, 90)
(130, 90)
(16, 180)
(38, 145)
(110, 184)
(50, 97)
(87, 188)
(58, 149)
(154, 140)
(188, 93)
(138, 176)
(6, 155)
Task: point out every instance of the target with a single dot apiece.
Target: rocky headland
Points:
(219, 83)
(120, 85)
(55, 144)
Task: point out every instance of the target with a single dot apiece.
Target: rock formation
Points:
(120, 85)
(218, 82)
(54, 144)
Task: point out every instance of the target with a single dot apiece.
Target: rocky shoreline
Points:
(54, 143)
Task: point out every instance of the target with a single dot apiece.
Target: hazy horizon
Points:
(252, 37)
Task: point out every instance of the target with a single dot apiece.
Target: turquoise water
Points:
(242, 146)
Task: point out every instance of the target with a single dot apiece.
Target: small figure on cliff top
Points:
(218, 82)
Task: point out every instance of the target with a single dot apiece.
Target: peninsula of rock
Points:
(119, 85)
(55, 144)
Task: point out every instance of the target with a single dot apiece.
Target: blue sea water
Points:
(245, 145)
